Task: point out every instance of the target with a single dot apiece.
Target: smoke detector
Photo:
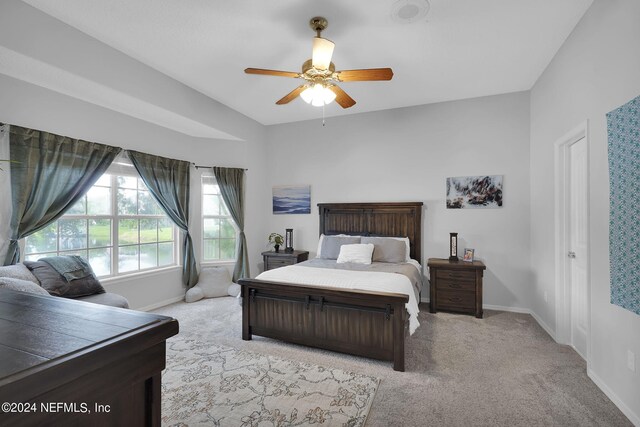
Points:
(408, 11)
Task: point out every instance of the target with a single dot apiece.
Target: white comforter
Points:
(347, 279)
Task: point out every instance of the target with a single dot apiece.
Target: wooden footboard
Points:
(370, 324)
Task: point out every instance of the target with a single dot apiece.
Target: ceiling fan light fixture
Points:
(320, 87)
(318, 95)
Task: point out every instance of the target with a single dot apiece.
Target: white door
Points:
(578, 244)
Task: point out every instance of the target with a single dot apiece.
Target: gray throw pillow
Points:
(21, 286)
(331, 245)
(387, 249)
(18, 271)
(55, 284)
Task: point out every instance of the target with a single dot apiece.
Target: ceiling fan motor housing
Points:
(318, 24)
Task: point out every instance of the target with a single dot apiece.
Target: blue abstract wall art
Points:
(623, 127)
(289, 199)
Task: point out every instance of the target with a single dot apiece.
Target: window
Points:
(117, 226)
(219, 233)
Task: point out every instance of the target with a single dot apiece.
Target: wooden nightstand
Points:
(280, 259)
(456, 286)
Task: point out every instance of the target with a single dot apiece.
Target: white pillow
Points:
(359, 253)
(214, 282)
(319, 251)
(194, 294)
(234, 290)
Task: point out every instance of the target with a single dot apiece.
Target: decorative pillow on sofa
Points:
(388, 249)
(18, 271)
(358, 253)
(54, 283)
(21, 286)
(330, 247)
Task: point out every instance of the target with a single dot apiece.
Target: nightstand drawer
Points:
(279, 262)
(464, 301)
(456, 275)
(455, 285)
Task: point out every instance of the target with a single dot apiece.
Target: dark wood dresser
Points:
(280, 259)
(66, 362)
(456, 286)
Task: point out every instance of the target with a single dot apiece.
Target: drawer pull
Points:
(455, 286)
(455, 299)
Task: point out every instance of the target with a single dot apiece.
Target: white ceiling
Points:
(461, 49)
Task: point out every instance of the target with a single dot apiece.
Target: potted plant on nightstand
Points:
(276, 240)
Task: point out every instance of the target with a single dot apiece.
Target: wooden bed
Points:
(363, 323)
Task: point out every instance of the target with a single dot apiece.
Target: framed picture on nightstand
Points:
(468, 255)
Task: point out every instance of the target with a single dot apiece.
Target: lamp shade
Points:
(322, 52)
(328, 95)
(307, 95)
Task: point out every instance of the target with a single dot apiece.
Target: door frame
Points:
(563, 290)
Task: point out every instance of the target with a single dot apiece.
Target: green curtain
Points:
(49, 174)
(231, 183)
(168, 182)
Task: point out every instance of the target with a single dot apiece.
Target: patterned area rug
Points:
(213, 385)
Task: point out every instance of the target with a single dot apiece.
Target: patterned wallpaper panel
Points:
(623, 127)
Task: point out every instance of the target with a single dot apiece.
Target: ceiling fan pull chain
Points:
(323, 114)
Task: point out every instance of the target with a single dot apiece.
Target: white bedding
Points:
(348, 279)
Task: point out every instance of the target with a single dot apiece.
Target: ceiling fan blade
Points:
(322, 52)
(291, 95)
(271, 72)
(342, 98)
(364, 75)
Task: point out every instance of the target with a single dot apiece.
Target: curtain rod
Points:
(196, 166)
(207, 167)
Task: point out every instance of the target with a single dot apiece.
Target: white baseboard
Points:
(504, 308)
(537, 318)
(161, 303)
(544, 326)
(634, 418)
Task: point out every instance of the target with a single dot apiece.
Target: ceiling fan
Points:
(320, 74)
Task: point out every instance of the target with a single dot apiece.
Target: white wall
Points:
(31, 106)
(405, 155)
(596, 71)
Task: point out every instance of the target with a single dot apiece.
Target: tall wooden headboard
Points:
(401, 219)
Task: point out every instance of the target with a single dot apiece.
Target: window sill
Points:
(214, 263)
(135, 276)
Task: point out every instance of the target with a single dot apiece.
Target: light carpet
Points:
(213, 385)
(503, 370)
